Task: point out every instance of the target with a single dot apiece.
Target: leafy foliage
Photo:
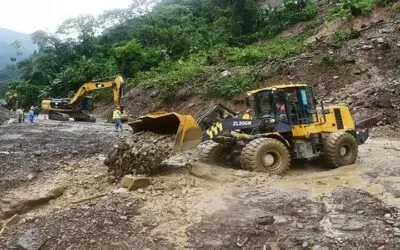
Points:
(352, 8)
(342, 35)
(228, 87)
(168, 44)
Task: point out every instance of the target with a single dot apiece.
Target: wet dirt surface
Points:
(197, 207)
(27, 150)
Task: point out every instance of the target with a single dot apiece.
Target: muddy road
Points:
(53, 176)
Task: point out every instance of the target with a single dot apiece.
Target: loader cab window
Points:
(263, 104)
(301, 103)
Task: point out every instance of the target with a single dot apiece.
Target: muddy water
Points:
(375, 154)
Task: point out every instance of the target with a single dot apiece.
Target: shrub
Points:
(342, 35)
(276, 49)
(228, 87)
(328, 61)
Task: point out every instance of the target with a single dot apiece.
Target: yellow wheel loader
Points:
(64, 108)
(285, 124)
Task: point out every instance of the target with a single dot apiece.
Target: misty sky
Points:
(28, 16)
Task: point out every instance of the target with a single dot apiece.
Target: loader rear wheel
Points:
(215, 153)
(266, 155)
(340, 149)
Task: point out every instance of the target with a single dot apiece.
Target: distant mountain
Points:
(6, 51)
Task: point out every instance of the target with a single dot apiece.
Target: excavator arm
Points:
(116, 84)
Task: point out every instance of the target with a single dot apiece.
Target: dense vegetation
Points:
(169, 46)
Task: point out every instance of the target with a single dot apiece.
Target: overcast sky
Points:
(28, 16)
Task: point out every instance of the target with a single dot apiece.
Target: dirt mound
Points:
(106, 224)
(4, 115)
(140, 153)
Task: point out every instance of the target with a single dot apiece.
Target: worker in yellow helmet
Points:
(117, 118)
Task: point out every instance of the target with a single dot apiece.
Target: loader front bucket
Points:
(188, 133)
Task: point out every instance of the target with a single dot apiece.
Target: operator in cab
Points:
(247, 114)
(117, 118)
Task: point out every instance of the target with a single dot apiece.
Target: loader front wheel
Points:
(215, 153)
(340, 149)
(266, 155)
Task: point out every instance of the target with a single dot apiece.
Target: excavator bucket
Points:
(188, 133)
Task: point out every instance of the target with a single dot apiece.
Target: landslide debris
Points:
(4, 115)
(108, 223)
(275, 219)
(140, 153)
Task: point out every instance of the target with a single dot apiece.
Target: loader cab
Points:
(289, 104)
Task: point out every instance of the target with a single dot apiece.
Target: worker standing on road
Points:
(117, 118)
(31, 116)
(20, 115)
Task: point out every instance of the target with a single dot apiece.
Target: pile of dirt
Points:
(140, 153)
(4, 115)
(107, 223)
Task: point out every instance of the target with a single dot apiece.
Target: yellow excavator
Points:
(286, 124)
(64, 108)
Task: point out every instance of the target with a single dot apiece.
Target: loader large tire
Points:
(215, 153)
(266, 155)
(340, 149)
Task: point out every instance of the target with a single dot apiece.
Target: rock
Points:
(30, 239)
(274, 246)
(30, 176)
(37, 153)
(123, 217)
(391, 222)
(396, 234)
(120, 190)
(226, 73)
(108, 222)
(396, 230)
(388, 216)
(353, 225)
(10, 222)
(336, 77)
(132, 182)
(4, 153)
(381, 247)
(141, 191)
(318, 247)
(300, 225)
(24, 205)
(101, 158)
(280, 219)
(305, 244)
(92, 241)
(206, 172)
(264, 220)
(380, 40)
(367, 47)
